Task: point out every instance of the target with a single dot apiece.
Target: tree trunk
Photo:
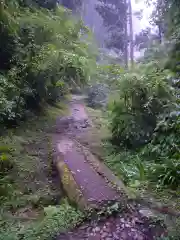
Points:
(131, 34)
(160, 33)
(126, 36)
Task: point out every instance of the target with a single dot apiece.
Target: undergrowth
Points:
(53, 220)
(26, 148)
(30, 198)
(134, 169)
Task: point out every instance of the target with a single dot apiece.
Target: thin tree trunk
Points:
(160, 33)
(131, 34)
(126, 37)
(160, 21)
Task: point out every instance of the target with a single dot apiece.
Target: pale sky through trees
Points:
(138, 25)
(141, 24)
(93, 20)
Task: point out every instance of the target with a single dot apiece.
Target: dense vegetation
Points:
(44, 54)
(144, 116)
(41, 58)
(145, 121)
(143, 111)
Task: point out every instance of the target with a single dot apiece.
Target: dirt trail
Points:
(93, 186)
(129, 225)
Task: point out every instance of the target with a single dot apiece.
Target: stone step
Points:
(82, 183)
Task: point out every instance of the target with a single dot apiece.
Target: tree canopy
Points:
(114, 14)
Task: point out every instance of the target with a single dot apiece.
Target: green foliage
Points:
(158, 161)
(164, 140)
(157, 52)
(144, 117)
(118, 162)
(166, 173)
(42, 55)
(6, 164)
(143, 96)
(109, 74)
(166, 17)
(164, 150)
(57, 219)
(24, 166)
(28, 192)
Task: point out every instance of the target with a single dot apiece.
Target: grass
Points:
(94, 136)
(125, 166)
(28, 188)
(55, 219)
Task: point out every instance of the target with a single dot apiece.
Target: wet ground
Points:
(127, 226)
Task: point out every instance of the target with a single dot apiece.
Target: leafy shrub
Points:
(144, 118)
(128, 166)
(57, 219)
(165, 141)
(108, 74)
(166, 173)
(164, 150)
(143, 96)
(158, 161)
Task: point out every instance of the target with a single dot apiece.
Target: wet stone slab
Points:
(92, 185)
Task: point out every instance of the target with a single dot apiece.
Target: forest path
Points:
(89, 183)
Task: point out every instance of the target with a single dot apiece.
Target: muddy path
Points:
(94, 186)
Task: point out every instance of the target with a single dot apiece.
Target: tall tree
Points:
(126, 53)
(114, 14)
(131, 33)
(158, 18)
